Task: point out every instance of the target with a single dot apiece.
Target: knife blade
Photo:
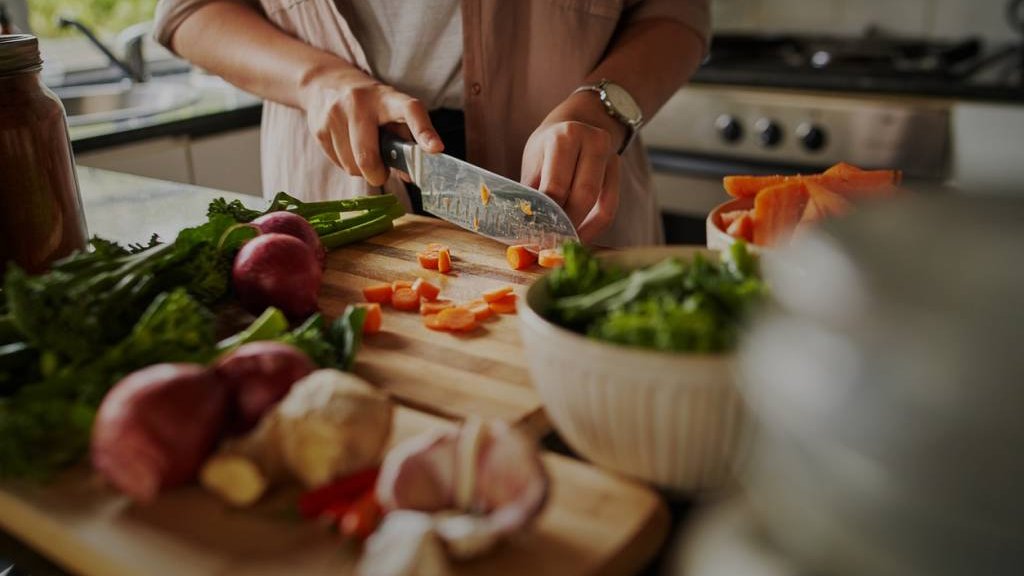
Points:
(477, 200)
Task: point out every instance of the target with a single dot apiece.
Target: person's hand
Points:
(345, 108)
(573, 158)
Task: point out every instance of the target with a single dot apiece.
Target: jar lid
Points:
(19, 53)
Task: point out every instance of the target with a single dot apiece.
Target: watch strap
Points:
(632, 127)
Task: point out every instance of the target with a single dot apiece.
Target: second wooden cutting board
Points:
(481, 373)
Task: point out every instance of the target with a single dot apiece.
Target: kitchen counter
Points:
(220, 108)
(129, 209)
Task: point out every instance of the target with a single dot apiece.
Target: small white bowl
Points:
(717, 238)
(667, 418)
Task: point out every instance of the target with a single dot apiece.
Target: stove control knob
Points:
(729, 128)
(813, 137)
(769, 132)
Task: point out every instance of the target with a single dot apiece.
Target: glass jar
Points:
(41, 218)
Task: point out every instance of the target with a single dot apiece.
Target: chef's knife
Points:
(478, 200)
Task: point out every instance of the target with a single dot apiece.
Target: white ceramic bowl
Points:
(717, 238)
(667, 418)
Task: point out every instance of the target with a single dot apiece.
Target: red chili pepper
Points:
(362, 518)
(342, 492)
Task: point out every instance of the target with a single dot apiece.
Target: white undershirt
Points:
(413, 45)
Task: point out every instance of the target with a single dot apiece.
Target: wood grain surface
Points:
(594, 523)
(481, 373)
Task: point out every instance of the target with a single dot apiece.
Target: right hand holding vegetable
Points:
(345, 108)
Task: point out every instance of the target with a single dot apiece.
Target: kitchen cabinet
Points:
(226, 161)
(160, 158)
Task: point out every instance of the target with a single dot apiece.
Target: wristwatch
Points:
(620, 105)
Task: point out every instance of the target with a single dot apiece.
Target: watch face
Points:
(622, 102)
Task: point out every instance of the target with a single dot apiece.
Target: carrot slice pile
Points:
(457, 319)
(428, 308)
(550, 258)
(520, 257)
(428, 260)
(729, 217)
(742, 227)
(444, 261)
(425, 289)
(378, 293)
(777, 211)
(496, 294)
(822, 203)
(431, 321)
(842, 178)
(481, 309)
(374, 318)
(504, 305)
(405, 299)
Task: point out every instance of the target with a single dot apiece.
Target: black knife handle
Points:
(395, 151)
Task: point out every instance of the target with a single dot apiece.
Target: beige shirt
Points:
(413, 45)
(521, 58)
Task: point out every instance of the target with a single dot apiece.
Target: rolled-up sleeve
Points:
(694, 14)
(171, 13)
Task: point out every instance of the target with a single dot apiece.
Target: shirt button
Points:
(476, 88)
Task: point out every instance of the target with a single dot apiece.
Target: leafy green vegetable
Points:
(45, 425)
(68, 335)
(335, 346)
(697, 306)
(91, 300)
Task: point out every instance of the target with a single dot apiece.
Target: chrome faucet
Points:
(134, 68)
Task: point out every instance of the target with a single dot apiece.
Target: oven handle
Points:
(682, 163)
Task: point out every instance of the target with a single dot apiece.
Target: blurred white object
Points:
(887, 392)
(724, 540)
(667, 418)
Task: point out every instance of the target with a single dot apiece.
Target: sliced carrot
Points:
(399, 284)
(749, 186)
(731, 216)
(481, 309)
(742, 227)
(427, 308)
(428, 260)
(777, 211)
(822, 203)
(842, 178)
(853, 182)
(444, 261)
(550, 258)
(496, 294)
(505, 305)
(405, 299)
(457, 319)
(434, 323)
(374, 318)
(379, 293)
(520, 257)
(425, 289)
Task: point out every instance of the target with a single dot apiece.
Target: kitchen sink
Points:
(113, 102)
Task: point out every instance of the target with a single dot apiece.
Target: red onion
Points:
(292, 225)
(156, 426)
(259, 374)
(277, 270)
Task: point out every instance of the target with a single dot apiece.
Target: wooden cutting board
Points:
(595, 523)
(482, 373)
